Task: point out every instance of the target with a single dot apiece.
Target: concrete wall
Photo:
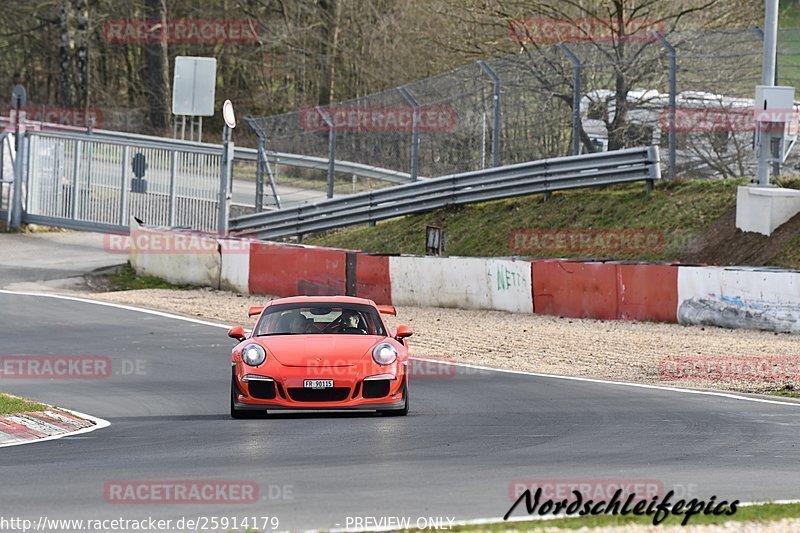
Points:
(753, 298)
(461, 282)
(191, 258)
(733, 297)
(235, 265)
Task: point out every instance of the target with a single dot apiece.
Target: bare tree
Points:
(157, 66)
(80, 10)
(65, 47)
(330, 14)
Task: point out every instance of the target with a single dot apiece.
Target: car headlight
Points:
(253, 354)
(384, 354)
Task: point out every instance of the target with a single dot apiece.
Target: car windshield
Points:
(323, 318)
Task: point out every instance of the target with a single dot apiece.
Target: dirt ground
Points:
(723, 244)
(640, 352)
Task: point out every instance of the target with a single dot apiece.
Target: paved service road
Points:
(55, 260)
(244, 193)
(468, 437)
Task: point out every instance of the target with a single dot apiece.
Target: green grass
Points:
(11, 405)
(125, 278)
(755, 513)
(680, 210)
(787, 392)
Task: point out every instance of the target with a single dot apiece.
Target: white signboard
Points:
(193, 86)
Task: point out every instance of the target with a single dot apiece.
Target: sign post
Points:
(18, 98)
(226, 168)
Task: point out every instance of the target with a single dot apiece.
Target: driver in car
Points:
(352, 324)
(299, 324)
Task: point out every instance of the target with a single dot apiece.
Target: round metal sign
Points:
(228, 115)
(18, 96)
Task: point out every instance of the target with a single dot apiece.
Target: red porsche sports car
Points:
(320, 353)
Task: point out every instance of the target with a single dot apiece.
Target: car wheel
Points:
(398, 412)
(238, 413)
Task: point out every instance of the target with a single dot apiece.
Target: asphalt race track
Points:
(468, 437)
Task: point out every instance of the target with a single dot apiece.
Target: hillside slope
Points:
(687, 221)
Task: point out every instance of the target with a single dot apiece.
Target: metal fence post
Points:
(577, 82)
(673, 104)
(76, 169)
(262, 163)
(260, 160)
(331, 148)
(2, 167)
(173, 168)
(19, 175)
(226, 168)
(415, 132)
(496, 112)
(123, 186)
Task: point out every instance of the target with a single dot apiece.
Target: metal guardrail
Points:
(543, 176)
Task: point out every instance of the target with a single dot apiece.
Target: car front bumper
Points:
(278, 387)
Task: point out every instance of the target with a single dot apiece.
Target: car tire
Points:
(398, 412)
(239, 413)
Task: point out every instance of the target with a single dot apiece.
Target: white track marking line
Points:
(464, 365)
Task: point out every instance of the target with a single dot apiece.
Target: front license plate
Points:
(318, 383)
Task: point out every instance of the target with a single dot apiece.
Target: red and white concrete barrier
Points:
(735, 297)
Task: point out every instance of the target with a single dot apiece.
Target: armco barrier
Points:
(737, 297)
(461, 282)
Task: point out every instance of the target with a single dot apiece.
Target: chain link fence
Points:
(522, 107)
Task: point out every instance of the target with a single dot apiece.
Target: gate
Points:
(97, 181)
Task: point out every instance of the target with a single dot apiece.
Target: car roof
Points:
(321, 299)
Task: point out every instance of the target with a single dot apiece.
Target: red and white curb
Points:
(50, 424)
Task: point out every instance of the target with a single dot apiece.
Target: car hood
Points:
(319, 350)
